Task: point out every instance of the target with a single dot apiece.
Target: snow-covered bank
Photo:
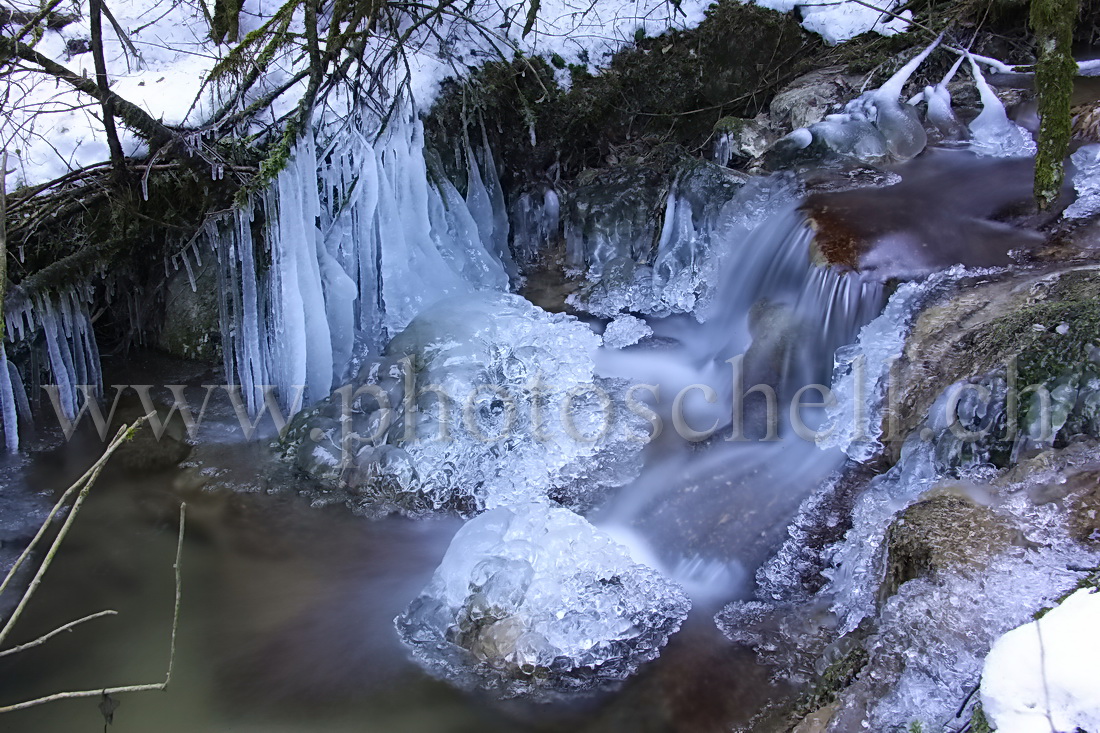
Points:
(1045, 676)
(163, 61)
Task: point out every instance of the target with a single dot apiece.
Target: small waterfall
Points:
(344, 250)
(779, 318)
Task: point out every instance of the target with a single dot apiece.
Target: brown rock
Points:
(943, 533)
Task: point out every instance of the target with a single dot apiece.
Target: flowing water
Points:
(288, 605)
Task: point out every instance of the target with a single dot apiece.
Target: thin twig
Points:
(123, 434)
(46, 637)
(150, 687)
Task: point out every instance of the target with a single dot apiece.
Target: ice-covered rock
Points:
(534, 599)
(1045, 675)
(631, 265)
(625, 331)
(491, 401)
(862, 370)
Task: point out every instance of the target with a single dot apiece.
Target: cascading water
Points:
(773, 324)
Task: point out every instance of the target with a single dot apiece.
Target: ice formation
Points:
(534, 599)
(1045, 675)
(992, 133)
(874, 126)
(625, 331)
(938, 110)
(535, 217)
(707, 224)
(525, 417)
(929, 638)
(1086, 181)
(931, 452)
(69, 349)
(391, 241)
(862, 370)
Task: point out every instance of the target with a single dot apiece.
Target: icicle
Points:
(8, 405)
(190, 272)
(893, 87)
(993, 133)
(723, 149)
(939, 111)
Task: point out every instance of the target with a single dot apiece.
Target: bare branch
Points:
(60, 629)
(150, 687)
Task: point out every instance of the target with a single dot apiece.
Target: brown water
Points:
(286, 618)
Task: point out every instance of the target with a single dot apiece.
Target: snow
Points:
(1045, 675)
(533, 599)
(50, 129)
(837, 22)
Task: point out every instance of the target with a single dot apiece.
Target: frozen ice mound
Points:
(524, 416)
(1086, 181)
(1045, 673)
(625, 331)
(534, 600)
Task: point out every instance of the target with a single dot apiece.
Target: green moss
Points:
(1043, 354)
(978, 722)
(671, 88)
(1053, 22)
(836, 677)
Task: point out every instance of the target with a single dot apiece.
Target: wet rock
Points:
(612, 214)
(810, 97)
(743, 138)
(944, 533)
(817, 721)
(987, 324)
(146, 451)
(503, 405)
(191, 328)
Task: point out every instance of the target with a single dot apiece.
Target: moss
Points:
(672, 88)
(1043, 354)
(1053, 22)
(836, 677)
(978, 722)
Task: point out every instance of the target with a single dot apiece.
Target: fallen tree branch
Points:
(134, 117)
